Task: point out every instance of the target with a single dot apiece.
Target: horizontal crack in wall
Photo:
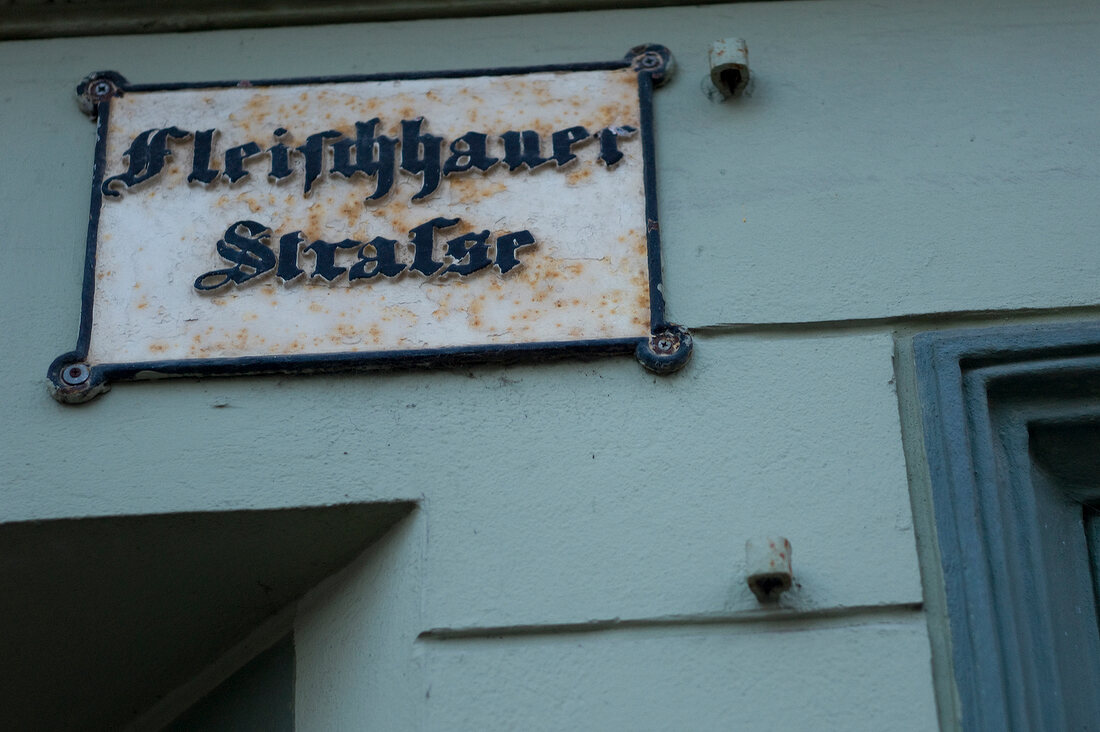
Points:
(763, 620)
(921, 321)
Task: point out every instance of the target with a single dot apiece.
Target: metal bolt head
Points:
(665, 342)
(101, 89)
(96, 88)
(666, 350)
(75, 374)
(652, 59)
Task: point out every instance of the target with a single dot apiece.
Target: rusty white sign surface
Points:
(267, 226)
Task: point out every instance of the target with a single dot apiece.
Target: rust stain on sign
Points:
(372, 216)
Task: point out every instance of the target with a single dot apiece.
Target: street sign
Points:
(372, 221)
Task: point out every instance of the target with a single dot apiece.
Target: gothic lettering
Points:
(201, 171)
(314, 153)
(523, 148)
(384, 260)
(563, 141)
(420, 154)
(146, 156)
(247, 246)
(374, 156)
(469, 151)
(369, 154)
(423, 239)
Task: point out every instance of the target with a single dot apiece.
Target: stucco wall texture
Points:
(576, 559)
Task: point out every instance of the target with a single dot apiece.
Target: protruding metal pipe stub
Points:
(768, 562)
(729, 66)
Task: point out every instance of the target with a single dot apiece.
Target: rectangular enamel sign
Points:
(324, 224)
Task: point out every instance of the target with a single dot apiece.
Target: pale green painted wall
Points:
(898, 167)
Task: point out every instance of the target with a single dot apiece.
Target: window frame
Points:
(998, 513)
